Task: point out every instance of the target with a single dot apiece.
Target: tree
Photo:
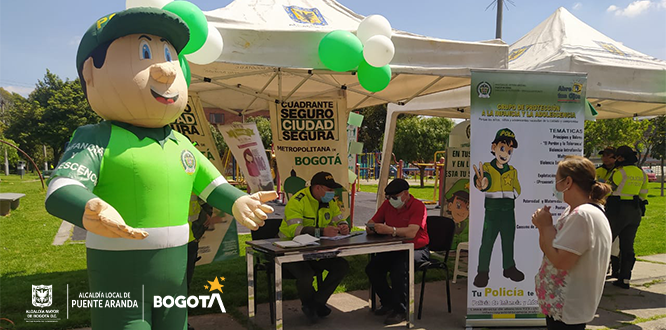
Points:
(658, 141)
(418, 138)
(50, 115)
(611, 132)
(371, 132)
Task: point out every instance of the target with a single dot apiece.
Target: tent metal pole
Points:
(315, 94)
(360, 102)
(280, 84)
(423, 89)
(245, 90)
(350, 89)
(262, 90)
(298, 86)
(389, 135)
(237, 75)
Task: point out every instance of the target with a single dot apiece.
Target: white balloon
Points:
(372, 26)
(211, 49)
(378, 51)
(146, 3)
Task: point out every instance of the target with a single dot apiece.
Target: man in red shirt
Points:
(400, 215)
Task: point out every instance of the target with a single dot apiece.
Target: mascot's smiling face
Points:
(140, 83)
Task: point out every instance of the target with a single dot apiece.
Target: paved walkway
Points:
(643, 306)
(631, 309)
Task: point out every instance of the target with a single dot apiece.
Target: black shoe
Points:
(383, 310)
(189, 327)
(309, 313)
(514, 274)
(621, 284)
(613, 275)
(322, 310)
(395, 317)
(481, 280)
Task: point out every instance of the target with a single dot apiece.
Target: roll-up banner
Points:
(245, 144)
(523, 123)
(310, 136)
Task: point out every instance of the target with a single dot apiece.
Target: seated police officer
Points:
(400, 215)
(313, 211)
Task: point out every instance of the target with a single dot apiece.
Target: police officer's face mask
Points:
(328, 196)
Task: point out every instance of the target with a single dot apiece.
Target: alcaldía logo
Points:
(206, 301)
(42, 295)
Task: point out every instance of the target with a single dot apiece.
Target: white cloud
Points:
(23, 91)
(578, 5)
(634, 9)
(662, 4)
(74, 41)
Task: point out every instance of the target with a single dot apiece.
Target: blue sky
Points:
(36, 35)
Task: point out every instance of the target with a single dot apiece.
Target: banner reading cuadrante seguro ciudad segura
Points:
(523, 123)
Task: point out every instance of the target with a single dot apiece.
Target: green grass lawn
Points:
(28, 258)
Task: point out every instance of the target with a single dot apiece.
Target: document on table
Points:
(335, 238)
(298, 241)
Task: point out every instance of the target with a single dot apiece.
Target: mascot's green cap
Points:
(133, 21)
(460, 185)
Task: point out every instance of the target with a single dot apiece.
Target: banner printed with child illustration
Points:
(523, 124)
(245, 144)
(310, 136)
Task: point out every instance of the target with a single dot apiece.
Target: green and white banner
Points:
(523, 123)
(310, 136)
(245, 144)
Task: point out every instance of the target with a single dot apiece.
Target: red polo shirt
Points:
(412, 213)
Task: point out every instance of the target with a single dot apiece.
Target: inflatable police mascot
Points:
(128, 179)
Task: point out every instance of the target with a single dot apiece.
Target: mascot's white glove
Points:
(250, 211)
(102, 219)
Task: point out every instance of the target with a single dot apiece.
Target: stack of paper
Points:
(298, 241)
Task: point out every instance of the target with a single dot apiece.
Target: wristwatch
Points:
(395, 232)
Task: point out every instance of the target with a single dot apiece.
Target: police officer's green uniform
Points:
(147, 175)
(624, 209)
(499, 215)
(603, 173)
(303, 210)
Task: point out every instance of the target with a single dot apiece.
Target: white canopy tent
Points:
(270, 55)
(621, 82)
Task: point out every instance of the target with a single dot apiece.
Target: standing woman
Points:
(576, 249)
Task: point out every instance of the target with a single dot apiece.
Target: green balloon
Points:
(186, 68)
(373, 79)
(340, 51)
(195, 20)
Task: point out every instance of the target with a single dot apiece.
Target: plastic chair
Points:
(440, 232)
(270, 229)
(456, 271)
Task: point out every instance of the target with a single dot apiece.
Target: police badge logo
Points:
(188, 161)
(484, 89)
(42, 295)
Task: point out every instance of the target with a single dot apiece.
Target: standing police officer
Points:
(603, 175)
(625, 207)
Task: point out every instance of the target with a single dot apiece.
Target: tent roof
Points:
(621, 82)
(270, 53)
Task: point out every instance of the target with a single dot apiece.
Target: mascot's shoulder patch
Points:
(188, 161)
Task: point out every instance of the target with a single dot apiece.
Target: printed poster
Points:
(455, 203)
(310, 136)
(245, 144)
(523, 124)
